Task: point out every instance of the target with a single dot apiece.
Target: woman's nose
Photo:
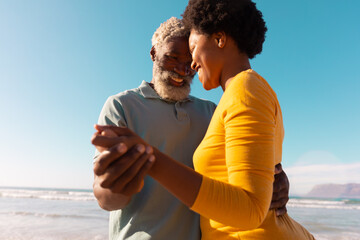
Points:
(193, 65)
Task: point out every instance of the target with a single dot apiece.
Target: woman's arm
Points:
(180, 180)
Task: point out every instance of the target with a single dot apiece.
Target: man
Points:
(166, 116)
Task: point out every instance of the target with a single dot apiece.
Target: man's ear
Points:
(152, 53)
(220, 38)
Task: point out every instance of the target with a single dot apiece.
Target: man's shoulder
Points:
(120, 100)
(201, 101)
(130, 93)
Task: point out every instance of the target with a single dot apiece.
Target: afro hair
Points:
(240, 19)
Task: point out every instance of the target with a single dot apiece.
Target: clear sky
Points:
(60, 60)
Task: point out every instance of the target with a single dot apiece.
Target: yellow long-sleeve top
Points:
(237, 158)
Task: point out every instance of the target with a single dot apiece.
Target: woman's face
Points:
(206, 59)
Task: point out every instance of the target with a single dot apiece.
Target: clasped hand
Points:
(124, 159)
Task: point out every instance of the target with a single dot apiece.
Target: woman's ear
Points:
(152, 53)
(220, 39)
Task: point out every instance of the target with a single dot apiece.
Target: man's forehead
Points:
(178, 39)
(176, 44)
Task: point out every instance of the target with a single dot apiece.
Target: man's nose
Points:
(184, 70)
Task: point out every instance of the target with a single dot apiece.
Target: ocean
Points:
(51, 214)
(327, 219)
(54, 214)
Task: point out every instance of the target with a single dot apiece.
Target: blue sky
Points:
(60, 60)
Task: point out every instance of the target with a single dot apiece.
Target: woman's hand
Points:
(107, 136)
(107, 133)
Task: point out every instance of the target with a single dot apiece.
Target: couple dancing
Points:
(232, 185)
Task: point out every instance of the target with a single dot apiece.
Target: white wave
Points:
(314, 203)
(338, 236)
(47, 215)
(47, 194)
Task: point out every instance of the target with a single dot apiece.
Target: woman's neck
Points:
(234, 64)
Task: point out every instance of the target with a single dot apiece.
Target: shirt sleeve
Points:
(248, 117)
(112, 113)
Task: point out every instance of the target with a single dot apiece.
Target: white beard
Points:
(165, 89)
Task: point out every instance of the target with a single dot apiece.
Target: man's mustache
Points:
(172, 74)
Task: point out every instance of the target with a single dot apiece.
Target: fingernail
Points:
(152, 158)
(149, 149)
(105, 152)
(140, 148)
(121, 148)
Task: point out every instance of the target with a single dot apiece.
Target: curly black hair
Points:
(240, 19)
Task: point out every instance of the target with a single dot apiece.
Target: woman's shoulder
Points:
(247, 82)
(248, 86)
(249, 79)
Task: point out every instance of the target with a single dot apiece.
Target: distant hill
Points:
(350, 190)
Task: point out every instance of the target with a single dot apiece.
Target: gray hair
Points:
(173, 27)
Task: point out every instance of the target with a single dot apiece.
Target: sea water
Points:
(327, 219)
(54, 214)
(51, 214)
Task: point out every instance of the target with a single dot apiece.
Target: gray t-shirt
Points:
(175, 128)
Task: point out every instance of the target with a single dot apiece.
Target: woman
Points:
(232, 185)
(247, 123)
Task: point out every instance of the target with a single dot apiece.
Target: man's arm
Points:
(280, 191)
(112, 114)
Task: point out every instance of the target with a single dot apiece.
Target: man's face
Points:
(172, 74)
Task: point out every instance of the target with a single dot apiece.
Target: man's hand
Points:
(280, 191)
